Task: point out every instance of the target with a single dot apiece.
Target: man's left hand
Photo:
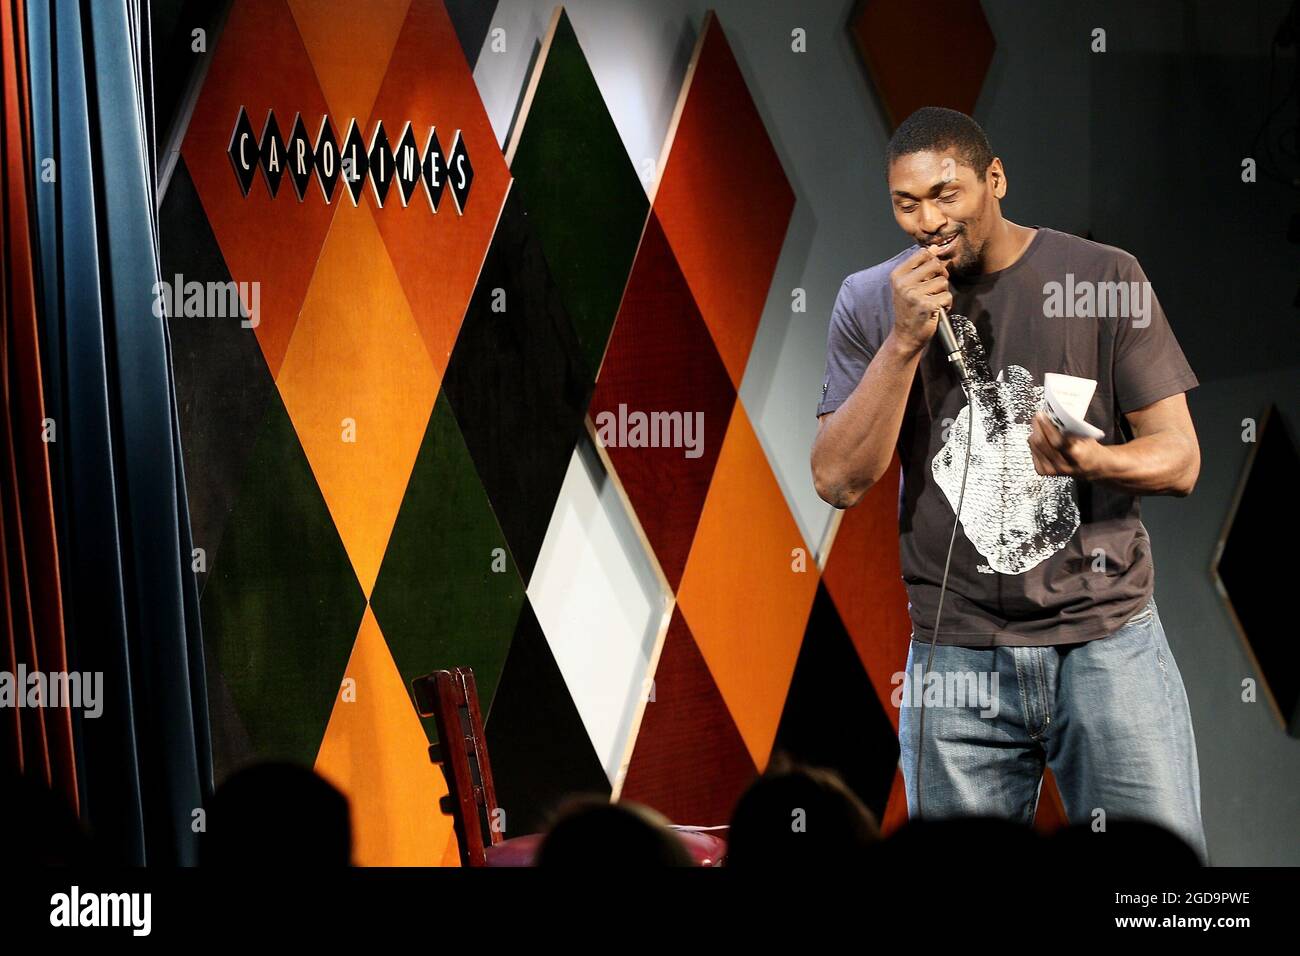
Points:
(1056, 453)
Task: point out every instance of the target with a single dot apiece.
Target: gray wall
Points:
(1141, 146)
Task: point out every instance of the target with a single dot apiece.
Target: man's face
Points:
(940, 202)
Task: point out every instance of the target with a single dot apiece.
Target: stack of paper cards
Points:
(1065, 400)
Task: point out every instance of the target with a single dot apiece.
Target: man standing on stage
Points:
(1050, 587)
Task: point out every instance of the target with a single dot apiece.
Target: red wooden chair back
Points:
(461, 751)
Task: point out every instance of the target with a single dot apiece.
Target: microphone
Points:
(950, 347)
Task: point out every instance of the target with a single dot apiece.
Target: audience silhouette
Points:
(799, 817)
(592, 832)
(277, 814)
(792, 817)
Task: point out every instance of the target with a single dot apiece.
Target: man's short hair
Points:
(936, 128)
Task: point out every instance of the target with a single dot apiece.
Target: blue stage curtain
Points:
(34, 740)
(130, 598)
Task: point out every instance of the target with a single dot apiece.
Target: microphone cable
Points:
(961, 497)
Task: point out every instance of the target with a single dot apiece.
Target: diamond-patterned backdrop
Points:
(402, 459)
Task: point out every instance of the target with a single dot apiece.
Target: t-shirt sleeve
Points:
(1149, 364)
(847, 353)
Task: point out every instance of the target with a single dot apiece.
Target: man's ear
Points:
(997, 178)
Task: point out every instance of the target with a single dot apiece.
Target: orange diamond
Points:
(742, 593)
(359, 387)
(349, 44)
(375, 751)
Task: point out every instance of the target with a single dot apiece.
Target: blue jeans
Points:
(1109, 716)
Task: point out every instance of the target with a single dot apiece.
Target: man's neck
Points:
(1008, 244)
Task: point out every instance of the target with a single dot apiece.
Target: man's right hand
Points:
(920, 286)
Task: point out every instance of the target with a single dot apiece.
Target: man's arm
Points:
(1164, 457)
(855, 442)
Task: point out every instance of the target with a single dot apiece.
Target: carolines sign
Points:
(394, 167)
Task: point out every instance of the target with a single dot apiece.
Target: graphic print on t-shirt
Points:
(1013, 516)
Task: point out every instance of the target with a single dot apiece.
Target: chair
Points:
(451, 698)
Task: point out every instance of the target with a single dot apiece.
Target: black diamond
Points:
(381, 163)
(407, 162)
(522, 446)
(354, 163)
(1256, 589)
(460, 172)
(298, 158)
(243, 151)
(326, 159)
(848, 729)
(270, 154)
(433, 170)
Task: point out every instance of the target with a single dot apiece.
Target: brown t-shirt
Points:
(1038, 559)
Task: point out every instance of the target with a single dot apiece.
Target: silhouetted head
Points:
(800, 817)
(592, 832)
(277, 813)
